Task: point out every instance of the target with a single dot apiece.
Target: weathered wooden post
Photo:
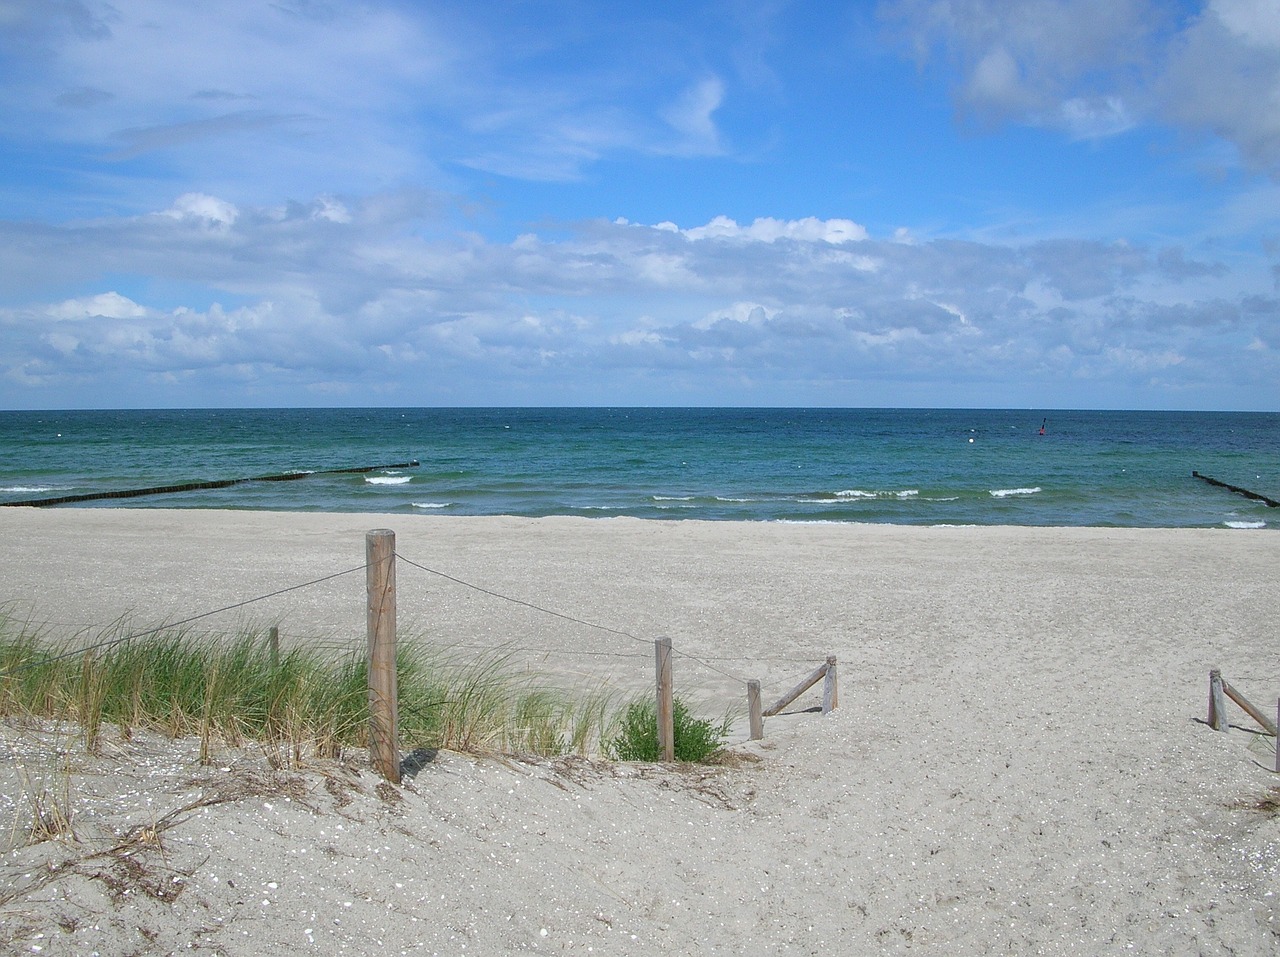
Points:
(754, 716)
(666, 700)
(1217, 702)
(830, 696)
(384, 725)
(273, 647)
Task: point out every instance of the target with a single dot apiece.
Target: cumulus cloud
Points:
(106, 305)
(204, 209)
(746, 313)
(311, 300)
(1025, 59)
(1223, 76)
(1098, 67)
(767, 229)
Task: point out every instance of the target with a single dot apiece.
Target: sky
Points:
(1035, 204)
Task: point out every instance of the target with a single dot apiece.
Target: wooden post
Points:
(753, 710)
(1278, 736)
(1217, 702)
(380, 578)
(273, 646)
(830, 699)
(666, 700)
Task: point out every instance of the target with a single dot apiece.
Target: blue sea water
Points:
(908, 466)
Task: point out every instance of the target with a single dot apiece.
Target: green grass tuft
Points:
(230, 690)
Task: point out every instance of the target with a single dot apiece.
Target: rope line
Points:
(519, 601)
(574, 652)
(562, 652)
(709, 666)
(111, 643)
(564, 617)
(704, 662)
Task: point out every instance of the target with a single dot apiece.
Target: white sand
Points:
(1019, 764)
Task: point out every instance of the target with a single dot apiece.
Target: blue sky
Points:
(952, 203)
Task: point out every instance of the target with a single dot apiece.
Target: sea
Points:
(895, 466)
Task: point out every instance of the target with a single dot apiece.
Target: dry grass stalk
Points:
(50, 815)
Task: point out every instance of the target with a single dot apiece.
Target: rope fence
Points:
(381, 562)
(379, 567)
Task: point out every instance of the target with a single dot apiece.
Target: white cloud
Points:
(1098, 67)
(996, 79)
(1088, 118)
(205, 209)
(769, 230)
(692, 115)
(106, 305)
(740, 312)
(1255, 22)
(636, 337)
(328, 208)
(1223, 77)
(316, 306)
(299, 98)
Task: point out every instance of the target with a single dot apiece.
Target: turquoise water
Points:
(918, 467)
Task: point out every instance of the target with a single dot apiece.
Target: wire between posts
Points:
(710, 667)
(556, 614)
(111, 643)
(518, 601)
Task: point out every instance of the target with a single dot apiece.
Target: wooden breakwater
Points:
(1270, 502)
(199, 486)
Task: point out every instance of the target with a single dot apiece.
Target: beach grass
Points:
(233, 690)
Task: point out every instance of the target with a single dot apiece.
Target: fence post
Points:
(380, 579)
(1217, 702)
(830, 695)
(753, 710)
(666, 700)
(273, 647)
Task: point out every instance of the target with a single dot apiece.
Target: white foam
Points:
(1006, 492)
(1257, 524)
(388, 479)
(430, 504)
(20, 489)
(855, 493)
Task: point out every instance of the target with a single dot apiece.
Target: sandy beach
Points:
(1019, 764)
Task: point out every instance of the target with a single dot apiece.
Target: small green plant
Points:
(636, 735)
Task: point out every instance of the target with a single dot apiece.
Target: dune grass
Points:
(229, 689)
